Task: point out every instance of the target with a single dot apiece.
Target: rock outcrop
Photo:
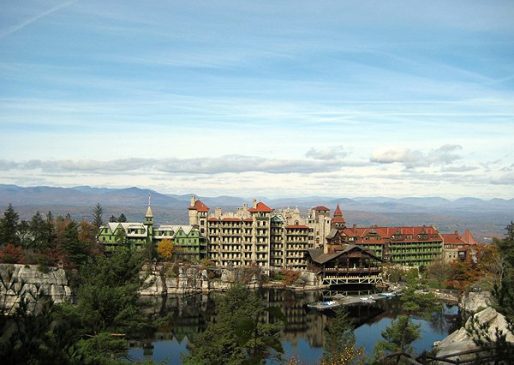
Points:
(179, 279)
(17, 281)
(477, 305)
(475, 301)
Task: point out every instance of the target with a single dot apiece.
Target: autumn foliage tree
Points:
(165, 249)
(11, 254)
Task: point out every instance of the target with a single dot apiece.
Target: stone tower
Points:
(338, 221)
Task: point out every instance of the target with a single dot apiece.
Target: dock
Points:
(351, 300)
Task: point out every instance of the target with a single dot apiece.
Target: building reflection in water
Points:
(184, 316)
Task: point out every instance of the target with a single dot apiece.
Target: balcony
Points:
(350, 270)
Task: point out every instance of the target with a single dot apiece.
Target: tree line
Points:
(49, 240)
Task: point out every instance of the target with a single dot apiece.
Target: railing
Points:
(352, 269)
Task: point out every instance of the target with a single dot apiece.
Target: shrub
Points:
(289, 277)
(11, 254)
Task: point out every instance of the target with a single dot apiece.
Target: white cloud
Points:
(443, 155)
(327, 153)
(208, 165)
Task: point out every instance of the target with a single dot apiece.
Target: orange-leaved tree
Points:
(165, 249)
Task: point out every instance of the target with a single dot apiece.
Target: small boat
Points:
(388, 294)
(367, 299)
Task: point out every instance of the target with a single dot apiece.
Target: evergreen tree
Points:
(76, 251)
(38, 229)
(122, 218)
(398, 337)
(9, 226)
(113, 219)
(49, 236)
(504, 291)
(339, 347)
(97, 215)
(24, 233)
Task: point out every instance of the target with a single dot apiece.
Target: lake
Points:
(303, 333)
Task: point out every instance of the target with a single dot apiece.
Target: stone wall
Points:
(28, 281)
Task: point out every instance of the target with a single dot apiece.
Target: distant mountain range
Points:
(488, 217)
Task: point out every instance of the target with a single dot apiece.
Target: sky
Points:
(271, 98)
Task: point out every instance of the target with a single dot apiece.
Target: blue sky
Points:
(273, 98)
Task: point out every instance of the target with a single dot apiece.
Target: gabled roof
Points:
(452, 239)
(260, 207)
(319, 257)
(385, 234)
(199, 206)
(127, 227)
(175, 228)
(468, 238)
(333, 232)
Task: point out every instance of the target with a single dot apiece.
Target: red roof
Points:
(385, 234)
(321, 208)
(338, 211)
(199, 206)
(452, 239)
(212, 219)
(297, 226)
(261, 208)
(338, 220)
(468, 238)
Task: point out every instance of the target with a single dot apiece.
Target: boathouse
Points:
(340, 263)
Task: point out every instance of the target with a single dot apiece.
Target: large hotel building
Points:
(258, 235)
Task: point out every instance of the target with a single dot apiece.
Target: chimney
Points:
(217, 212)
(193, 201)
(255, 203)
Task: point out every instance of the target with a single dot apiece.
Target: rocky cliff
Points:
(17, 281)
(177, 279)
(479, 306)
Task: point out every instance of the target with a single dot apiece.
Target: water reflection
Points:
(184, 316)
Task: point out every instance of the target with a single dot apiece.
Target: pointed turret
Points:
(149, 221)
(338, 221)
(149, 213)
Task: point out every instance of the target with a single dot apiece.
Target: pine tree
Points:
(398, 337)
(77, 251)
(122, 218)
(49, 236)
(9, 227)
(97, 215)
(39, 230)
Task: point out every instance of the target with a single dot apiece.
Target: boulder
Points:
(460, 340)
(475, 301)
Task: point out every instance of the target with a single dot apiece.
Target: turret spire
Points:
(149, 213)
